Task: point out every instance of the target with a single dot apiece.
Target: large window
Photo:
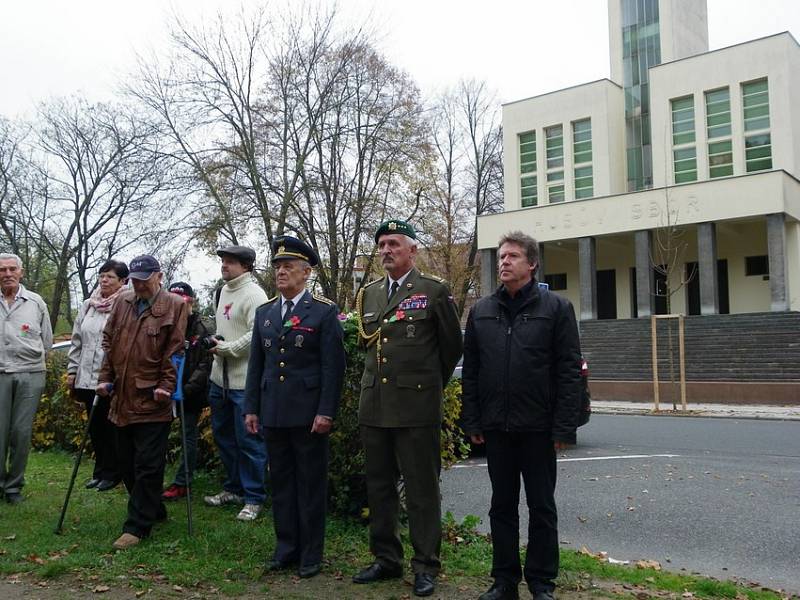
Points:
(718, 131)
(554, 146)
(527, 169)
(582, 157)
(757, 141)
(684, 152)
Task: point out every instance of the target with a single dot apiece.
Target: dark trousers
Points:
(101, 432)
(142, 450)
(192, 432)
(531, 455)
(298, 465)
(414, 453)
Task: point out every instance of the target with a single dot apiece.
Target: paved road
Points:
(719, 497)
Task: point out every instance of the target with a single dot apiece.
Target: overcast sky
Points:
(520, 48)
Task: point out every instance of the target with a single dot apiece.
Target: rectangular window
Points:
(528, 191)
(554, 137)
(556, 281)
(755, 102)
(756, 265)
(684, 153)
(758, 152)
(527, 166)
(554, 147)
(582, 157)
(718, 129)
(758, 141)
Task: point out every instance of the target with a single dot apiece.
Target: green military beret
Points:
(396, 226)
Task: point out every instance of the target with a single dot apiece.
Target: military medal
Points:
(411, 330)
(267, 323)
(298, 341)
(268, 343)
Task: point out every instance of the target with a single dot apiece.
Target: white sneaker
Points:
(224, 497)
(250, 512)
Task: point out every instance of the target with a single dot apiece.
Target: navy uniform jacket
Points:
(295, 372)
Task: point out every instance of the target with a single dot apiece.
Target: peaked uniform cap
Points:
(287, 247)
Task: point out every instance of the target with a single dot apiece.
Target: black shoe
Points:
(543, 595)
(14, 498)
(278, 565)
(376, 572)
(309, 571)
(92, 483)
(501, 590)
(423, 584)
(107, 484)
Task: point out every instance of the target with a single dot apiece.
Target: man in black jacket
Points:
(196, 369)
(521, 382)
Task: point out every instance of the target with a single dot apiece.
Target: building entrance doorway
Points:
(607, 294)
(693, 288)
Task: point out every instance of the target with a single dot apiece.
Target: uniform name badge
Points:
(298, 341)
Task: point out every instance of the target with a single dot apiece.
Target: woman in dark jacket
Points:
(197, 367)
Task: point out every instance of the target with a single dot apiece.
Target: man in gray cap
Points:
(243, 454)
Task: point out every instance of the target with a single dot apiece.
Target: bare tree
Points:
(467, 181)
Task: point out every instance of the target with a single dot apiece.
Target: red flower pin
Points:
(398, 316)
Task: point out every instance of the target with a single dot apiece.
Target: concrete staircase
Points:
(752, 347)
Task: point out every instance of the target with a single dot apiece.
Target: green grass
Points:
(226, 556)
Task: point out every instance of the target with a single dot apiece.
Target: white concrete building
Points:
(672, 187)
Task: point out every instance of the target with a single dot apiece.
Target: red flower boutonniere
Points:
(398, 316)
(25, 329)
(293, 322)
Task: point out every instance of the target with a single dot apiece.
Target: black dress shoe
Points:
(376, 572)
(106, 484)
(501, 590)
(309, 571)
(543, 595)
(92, 483)
(14, 498)
(423, 584)
(279, 565)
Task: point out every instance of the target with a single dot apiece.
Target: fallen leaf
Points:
(35, 559)
(10, 538)
(100, 589)
(583, 519)
(177, 588)
(687, 595)
(140, 593)
(648, 564)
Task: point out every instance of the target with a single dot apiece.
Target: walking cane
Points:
(179, 360)
(95, 402)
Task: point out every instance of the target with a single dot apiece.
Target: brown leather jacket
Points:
(137, 356)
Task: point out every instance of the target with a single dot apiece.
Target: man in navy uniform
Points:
(294, 382)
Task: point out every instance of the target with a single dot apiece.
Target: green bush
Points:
(60, 423)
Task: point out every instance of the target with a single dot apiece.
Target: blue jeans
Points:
(244, 455)
(191, 448)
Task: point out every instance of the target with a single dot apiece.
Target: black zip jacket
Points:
(197, 367)
(522, 374)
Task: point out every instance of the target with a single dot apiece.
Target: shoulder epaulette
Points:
(373, 282)
(432, 277)
(269, 301)
(322, 299)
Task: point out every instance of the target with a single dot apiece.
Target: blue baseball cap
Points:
(142, 267)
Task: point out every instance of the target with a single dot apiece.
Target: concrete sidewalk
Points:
(780, 413)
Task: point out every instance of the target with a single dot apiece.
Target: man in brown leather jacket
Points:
(146, 327)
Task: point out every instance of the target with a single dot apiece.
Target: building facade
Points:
(671, 187)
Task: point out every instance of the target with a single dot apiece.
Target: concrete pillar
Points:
(645, 280)
(776, 247)
(707, 267)
(539, 273)
(587, 269)
(488, 271)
